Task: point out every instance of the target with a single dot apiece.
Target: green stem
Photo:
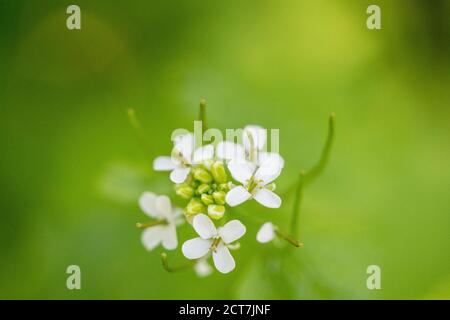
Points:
(144, 225)
(138, 128)
(315, 171)
(202, 114)
(297, 203)
(288, 238)
(308, 177)
(165, 263)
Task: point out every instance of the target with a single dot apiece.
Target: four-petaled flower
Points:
(255, 182)
(163, 229)
(184, 157)
(215, 241)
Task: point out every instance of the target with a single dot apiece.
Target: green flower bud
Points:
(207, 199)
(218, 172)
(219, 197)
(195, 184)
(272, 186)
(224, 187)
(203, 188)
(195, 206)
(202, 175)
(184, 191)
(215, 211)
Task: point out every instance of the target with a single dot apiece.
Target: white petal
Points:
(237, 196)
(267, 198)
(204, 226)
(147, 204)
(196, 248)
(163, 164)
(273, 157)
(203, 268)
(177, 217)
(152, 236)
(163, 206)
(223, 260)
(204, 153)
(258, 134)
(266, 233)
(241, 170)
(227, 150)
(185, 146)
(178, 175)
(268, 172)
(169, 237)
(232, 231)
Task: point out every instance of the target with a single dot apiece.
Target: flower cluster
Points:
(211, 179)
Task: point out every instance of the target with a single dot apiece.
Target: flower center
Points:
(178, 155)
(253, 184)
(215, 244)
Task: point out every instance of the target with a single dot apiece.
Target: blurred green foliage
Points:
(71, 167)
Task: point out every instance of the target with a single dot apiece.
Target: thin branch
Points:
(297, 204)
(308, 177)
(288, 238)
(202, 114)
(315, 171)
(138, 129)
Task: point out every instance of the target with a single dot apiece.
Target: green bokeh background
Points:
(72, 168)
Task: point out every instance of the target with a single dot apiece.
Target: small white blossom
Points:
(215, 241)
(203, 268)
(167, 219)
(266, 233)
(184, 157)
(255, 182)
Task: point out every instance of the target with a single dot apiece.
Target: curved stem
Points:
(144, 225)
(315, 171)
(308, 177)
(138, 129)
(297, 203)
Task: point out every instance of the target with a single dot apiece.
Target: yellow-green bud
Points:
(219, 197)
(184, 191)
(272, 186)
(207, 199)
(195, 206)
(218, 172)
(208, 163)
(224, 187)
(203, 188)
(202, 175)
(215, 211)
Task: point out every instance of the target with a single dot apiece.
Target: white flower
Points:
(266, 233)
(167, 218)
(254, 140)
(183, 158)
(203, 268)
(254, 183)
(215, 241)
